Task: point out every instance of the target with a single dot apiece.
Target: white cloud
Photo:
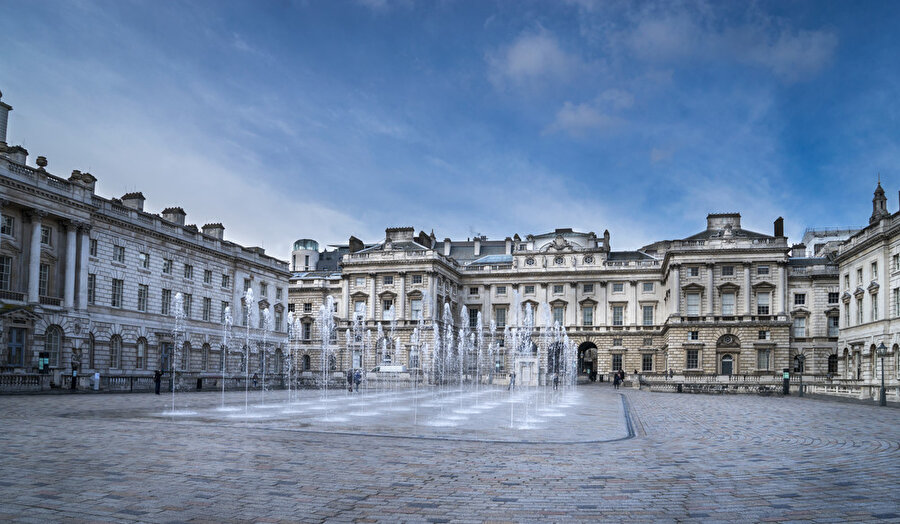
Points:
(594, 116)
(532, 61)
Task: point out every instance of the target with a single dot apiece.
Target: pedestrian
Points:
(255, 379)
(556, 381)
(671, 373)
(157, 379)
(512, 382)
(357, 378)
(74, 376)
(616, 380)
(350, 380)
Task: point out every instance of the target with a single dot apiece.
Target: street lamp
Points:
(800, 360)
(882, 351)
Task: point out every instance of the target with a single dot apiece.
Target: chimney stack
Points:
(446, 247)
(215, 230)
(174, 214)
(477, 246)
(798, 251)
(133, 201)
(779, 227)
(508, 246)
(4, 120)
(355, 245)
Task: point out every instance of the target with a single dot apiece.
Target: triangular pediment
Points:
(693, 286)
(763, 285)
(20, 314)
(859, 292)
(873, 287)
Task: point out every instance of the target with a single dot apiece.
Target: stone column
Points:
(370, 315)
(237, 296)
(634, 296)
(83, 252)
(748, 292)
(69, 282)
(572, 304)
(432, 296)
(603, 306)
(486, 313)
(401, 308)
(781, 289)
(34, 260)
(345, 291)
(675, 270)
(710, 287)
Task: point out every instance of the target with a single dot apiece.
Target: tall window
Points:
(874, 307)
(307, 331)
(115, 352)
(119, 254)
(92, 288)
(875, 271)
(859, 310)
(762, 303)
(145, 260)
(46, 235)
(833, 363)
(91, 354)
(92, 249)
(167, 266)
(263, 289)
(647, 362)
(359, 309)
(728, 304)
(143, 292)
(473, 319)
(386, 313)
(648, 315)
(833, 326)
(693, 359)
(587, 313)
(278, 293)
(188, 303)
(5, 272)
(166, 301)
(188, 271)
(204, 358)
(226, 280)
(222, 312)
(415, 307)
(140, 361)
(500, 317)
(279, 318)
(207, 276)
(7, 227)
(800, 327)
(617, 362)
(53, 343)
(207, 308)
(693, 304)
(118, 289)
(895, 300)
(859, 277)
(762, 359)
(618, 315)
(558, 312)
(44, 280)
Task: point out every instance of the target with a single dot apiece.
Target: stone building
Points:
(91, 281)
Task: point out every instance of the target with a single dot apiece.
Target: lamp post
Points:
(800, 360)
(882, 351)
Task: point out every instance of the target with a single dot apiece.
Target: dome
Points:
(306, 244)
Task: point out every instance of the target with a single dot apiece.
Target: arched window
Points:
(307, 364)
(53, 343)
(115, 352)
(186, 356)
(140, 361)
(278, 361)
(832, 364)
(204, 358)
(90, 351)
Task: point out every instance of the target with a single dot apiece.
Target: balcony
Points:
(51, 301)
(13, 296)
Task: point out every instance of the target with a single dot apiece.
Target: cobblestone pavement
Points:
(691, 458)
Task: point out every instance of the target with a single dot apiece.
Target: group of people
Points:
(618, 378)
(353, 378)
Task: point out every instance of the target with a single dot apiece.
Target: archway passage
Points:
(587, 360)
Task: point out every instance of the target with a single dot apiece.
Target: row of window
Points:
(727, 270)
(873, 273)
(387, 280)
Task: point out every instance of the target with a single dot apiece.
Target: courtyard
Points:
(586, 453)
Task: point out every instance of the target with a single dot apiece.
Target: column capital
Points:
(4, 202)
(34, 213)
(709, 264)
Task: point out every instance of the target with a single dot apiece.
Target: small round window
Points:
(558, 261)
(529, 261)
(589, 259)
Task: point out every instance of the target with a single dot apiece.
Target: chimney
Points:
(508, 246)
(133, 201)
(477, 246)
(606, 240)
(798, 251)
(17, 154)
(215, 230)
(779, 227)
(446, 247)
(174, 214)
(4, 120)
(355, 245)
(85, 180)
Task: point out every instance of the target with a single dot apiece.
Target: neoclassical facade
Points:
(91, 282)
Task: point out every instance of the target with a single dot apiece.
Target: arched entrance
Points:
(727, 364)
(587, 360)
(728, 347)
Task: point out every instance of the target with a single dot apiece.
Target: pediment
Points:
(279, 307)
(264, 303)
(859, 292)
(800, 312)
(693, 286)
(559, 302)
(387, 293)
(832, 311)
(763, 285)
(846, 296)
(21, 315)
(728, 287)
(587, 302)
(414, 294)
(873, 288)
(10, 247)
(360, 294)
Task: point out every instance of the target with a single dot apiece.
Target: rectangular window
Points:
(207, 276)
(119, 254)
(762, 303)
(693, 335)
(7, 227)
(874, 307)
(618, 287)
(762, 359)
(589, 288)
(188, 305)
(225, 306)
(415, 308)
(5, 273)
(895, 300)
(762, 270)
(693, 359)
(500, 317)
(875, 271)
(167, 266)
(859, 277)
(847, 315)
(618, 315)
(279, 318)
(587, 313)
(360, 281)
(359, 309)
(291, 307)
(226, 280)
(800, 327)
(417, 279)
(762, 335)
(647, 362)
(188, 271)
(263, 289)
(727, 304)
(46, 235)
(693, 304)
(529, 290)
(144, 259)
(473, 291)
(859, 311)
(557, 289)
(93, 247)
(617, 362)
(247, 284)
(279, 292)
(648, 341)
(800, 299)
(386, 313)
(307, 331)
(617, 342)
(207, 308)
(92, 288)
(307, 307)
(727, 271)
(895, 261)
(647, 287)
(847, 281)
(166, 301)
(694, 271)
(388, 280)
(473, 319)
(648, 315)
(501, 290)
(44, 280)
(143, 293)
(833, 327)
(558, 313)
(118, 287)
(833, 297)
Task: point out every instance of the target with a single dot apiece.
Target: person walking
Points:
(512, 382)
(157, 379)
(556, 381)
(357, 379)
(350, 381)
(616, 380)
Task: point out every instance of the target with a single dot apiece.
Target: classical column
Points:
(710, 286)
(781, 289)
(603, 306)
(675, 269)
(83, 248)
(401, 311)
(748, 304)
(34, 260)
(237, 312)
(345, 291)
(634, 297)
(572, 304)
(371, 313)
(69, 282)
(486, 313)
(432, 296)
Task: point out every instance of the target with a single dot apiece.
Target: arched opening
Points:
(204, 358)
(727, 364)
(186, 356)
(140, 361)
(53, 339)
(115, 352)
(307, 363)
(587, 360)
(728, 347)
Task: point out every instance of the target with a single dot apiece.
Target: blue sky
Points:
(322, 119)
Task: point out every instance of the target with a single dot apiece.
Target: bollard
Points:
(786, 381)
